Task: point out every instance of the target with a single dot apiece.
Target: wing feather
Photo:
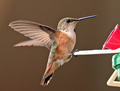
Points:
(40, 34)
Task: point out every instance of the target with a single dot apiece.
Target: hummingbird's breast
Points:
(66, 42)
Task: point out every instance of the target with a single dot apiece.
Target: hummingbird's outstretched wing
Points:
(41, 35)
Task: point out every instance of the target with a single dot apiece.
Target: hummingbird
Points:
(60, 41)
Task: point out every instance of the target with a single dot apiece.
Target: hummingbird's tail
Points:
(47, 75)
(50, 69)
(46, 80)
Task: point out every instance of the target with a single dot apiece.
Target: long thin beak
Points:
(87, 17)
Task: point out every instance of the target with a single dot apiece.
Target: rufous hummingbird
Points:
(60, 42)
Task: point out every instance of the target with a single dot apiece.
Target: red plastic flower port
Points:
(113, 40)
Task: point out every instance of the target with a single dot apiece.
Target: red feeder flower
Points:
(113, 40)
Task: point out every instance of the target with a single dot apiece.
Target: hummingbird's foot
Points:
(76, 50)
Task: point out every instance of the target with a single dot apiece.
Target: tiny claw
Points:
(76, 50)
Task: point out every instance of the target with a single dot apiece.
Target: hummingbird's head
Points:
(69, 24)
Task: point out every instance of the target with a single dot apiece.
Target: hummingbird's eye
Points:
(68, 20)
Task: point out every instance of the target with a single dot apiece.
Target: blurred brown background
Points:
(22, 68)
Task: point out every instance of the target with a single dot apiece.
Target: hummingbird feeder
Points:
(113, 45)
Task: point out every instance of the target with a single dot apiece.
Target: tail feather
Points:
(45, 81)
(47, 75)
(50, 69)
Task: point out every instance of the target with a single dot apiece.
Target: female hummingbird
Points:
(60, 42)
